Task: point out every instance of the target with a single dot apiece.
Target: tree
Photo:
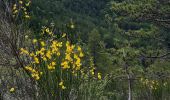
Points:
(101, 58)
(140, 40)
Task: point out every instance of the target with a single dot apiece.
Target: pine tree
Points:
(102, 59)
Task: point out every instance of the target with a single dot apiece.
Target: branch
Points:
(163, 20)
(154, 38)
(162, 56)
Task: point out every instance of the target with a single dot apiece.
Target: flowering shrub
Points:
(56, 64)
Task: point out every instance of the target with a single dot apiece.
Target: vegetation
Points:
(85, 50)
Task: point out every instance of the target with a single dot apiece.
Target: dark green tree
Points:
(101, 58)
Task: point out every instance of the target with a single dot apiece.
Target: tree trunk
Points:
(129, 88)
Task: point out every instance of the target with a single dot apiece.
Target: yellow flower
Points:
(12, 90)
(58, 53)
(24, 8)
(63, 87)
(34, 71)
(61, 83)
(69, 48)
(27, 16)
(26, 36)
(21, 2)
(79, 48)
(72, 46)
(92, 71)
(72, 26)
(60, 44)
(44, 58)
(65, 65)
(42, 43)
(53, 63)
(32, 54)
(165, 84)
(41, 51)
(25, 13)
(50, 33)
(34, 41)
(75, 56)
(81, 54)
(36, 60)
(23, 51)
(16, 11)
(27, 4)
(64, 34)
(47, 30)
(78, 61)
(48, 54)
(99, 76)
(14, 7)
(28, 68)
(35, 76)
(51, 66)
(68, 57)
(151, 87)
(67, 43)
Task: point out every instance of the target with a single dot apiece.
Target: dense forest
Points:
(84, 49)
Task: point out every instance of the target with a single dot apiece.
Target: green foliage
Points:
(101, 58)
